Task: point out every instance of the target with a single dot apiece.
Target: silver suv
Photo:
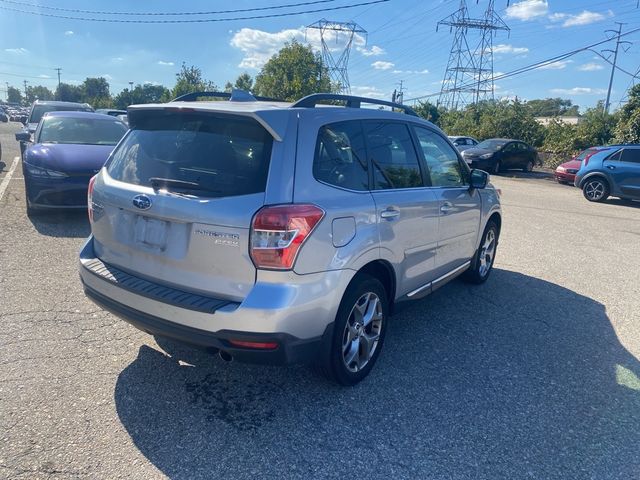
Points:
(275, 233)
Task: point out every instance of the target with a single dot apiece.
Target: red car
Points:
(566, 173)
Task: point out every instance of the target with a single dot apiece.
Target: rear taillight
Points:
(278, 232)
(90, 197)
(256, 345)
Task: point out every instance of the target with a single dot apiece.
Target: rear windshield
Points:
(586, 152)
(86, 131)
(39, 110)
(194, 153)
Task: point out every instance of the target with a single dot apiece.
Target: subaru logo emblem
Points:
(142, 202)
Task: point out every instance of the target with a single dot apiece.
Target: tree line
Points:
(296, 71)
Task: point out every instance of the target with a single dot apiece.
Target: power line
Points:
(541, 63)
(213, 12)
(199, 20)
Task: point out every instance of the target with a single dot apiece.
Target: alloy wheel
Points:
(487, 253)
(362, 332)
(594, 190)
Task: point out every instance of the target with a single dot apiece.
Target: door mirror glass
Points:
(479, 179)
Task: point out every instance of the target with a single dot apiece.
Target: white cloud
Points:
(44, 76)
(17, 51)
(117, 59)
(410, 72)
(559, 65)
(381, 65)
(374, 51)
(259, 46)
(106, 76)
(528, 9)
(578, 91)
(165, 64)
(590, 67)
(368, 91)
(151, 82)
(68, 33)
(584, 18)
(504, 48)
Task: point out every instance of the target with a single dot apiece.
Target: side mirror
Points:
(479, 179)
(23, 137)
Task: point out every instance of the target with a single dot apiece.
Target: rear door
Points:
(177, 198)
(624, 168)
(510, 155)
(406, 209)
(458, 206)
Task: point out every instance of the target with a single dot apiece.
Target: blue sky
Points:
(402, 44)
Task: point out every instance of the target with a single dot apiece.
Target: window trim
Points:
(464, 168)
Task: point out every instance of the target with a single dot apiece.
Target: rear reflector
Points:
(256, 345)
(278, 232)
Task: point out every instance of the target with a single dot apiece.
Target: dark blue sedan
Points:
(69, 148)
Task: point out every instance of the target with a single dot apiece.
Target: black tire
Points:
(497, 167)
(31, 211)
(528, 168)
(334, 365)
(596, 189)
(477, 272)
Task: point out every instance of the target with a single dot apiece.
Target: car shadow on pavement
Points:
(623, 203)
(535, 174)
(74, 224)
(518, 378)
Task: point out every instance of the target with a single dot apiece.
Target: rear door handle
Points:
(390, 213)
(446, 207)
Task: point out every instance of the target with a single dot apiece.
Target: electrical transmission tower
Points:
(469, 74)
(337, 40)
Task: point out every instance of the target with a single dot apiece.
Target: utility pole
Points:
(400, 94)
(617, 34)
(58, 70)
(25, 90)
(130, 93)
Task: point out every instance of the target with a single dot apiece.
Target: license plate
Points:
(151, 232)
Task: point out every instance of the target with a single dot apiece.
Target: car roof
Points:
(79, 114)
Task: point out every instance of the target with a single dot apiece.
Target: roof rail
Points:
(236, 95)
(351, 101)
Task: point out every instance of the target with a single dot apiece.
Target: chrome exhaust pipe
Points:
(226, 356)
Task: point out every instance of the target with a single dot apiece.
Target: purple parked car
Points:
(69, 148)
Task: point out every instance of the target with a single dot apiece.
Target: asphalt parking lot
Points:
(535, 374)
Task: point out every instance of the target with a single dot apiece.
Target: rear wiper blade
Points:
(158, 182)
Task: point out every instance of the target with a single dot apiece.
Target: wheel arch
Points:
(592, 175)
(383, 271)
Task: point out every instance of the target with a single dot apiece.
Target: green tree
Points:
(552, 107)
(428, 111)
(596, 127)
(294, 72)
(189, 80)
(146, 93)
(38, 92)
(68, 93)
(243, 82)
(628, 128)
(14, 95)
(95, 91)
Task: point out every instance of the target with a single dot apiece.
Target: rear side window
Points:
(340, 157)
(199, 153)
(393, 157)
(631, 155)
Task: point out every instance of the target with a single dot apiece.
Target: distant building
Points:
(566, 120)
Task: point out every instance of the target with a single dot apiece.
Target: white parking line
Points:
(7, 177)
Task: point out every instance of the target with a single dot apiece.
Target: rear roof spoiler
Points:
(236, 95)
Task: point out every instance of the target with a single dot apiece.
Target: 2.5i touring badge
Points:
(220, 238)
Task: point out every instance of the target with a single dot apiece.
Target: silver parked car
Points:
(463, 143)
(276, 233)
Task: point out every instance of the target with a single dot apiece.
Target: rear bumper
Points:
(298, 315)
